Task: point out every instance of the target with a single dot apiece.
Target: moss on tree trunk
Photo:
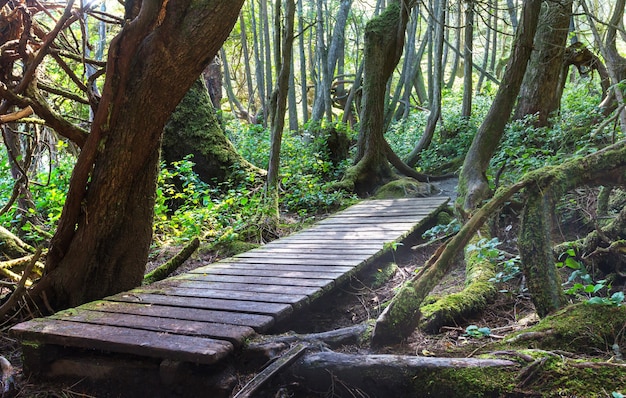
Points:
(479, 289)
(193, 128)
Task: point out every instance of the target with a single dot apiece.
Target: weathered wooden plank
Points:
(261, 280)
(357, 219)
(347, 235)
(129, 341)
(232, 333)
(294, 264)
(304, 250)
(295, 242)
(224, 294)
(311, 265)
(276, 310)
(320, 254)
(282, 289)
(394, 228)
(224, 270)
(260, 323)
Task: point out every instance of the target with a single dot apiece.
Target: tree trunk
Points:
(540, 89)
(104, 234)
(258, 43)
(473, 186)
(468, 51)
(384, 40)
(303, 66)
(193, 128)
(279, 104)
(435, 102)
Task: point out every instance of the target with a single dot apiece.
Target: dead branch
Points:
(20, 290)
(12, 117)
(172, 265)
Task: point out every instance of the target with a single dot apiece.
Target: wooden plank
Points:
(294, 242)
(224, 294)
(303, 250)
(282, 289)
(129, 341)
(232, 333)
(265, 264)
(216, 270)
(320, 254)
(260, 280)
(395, 228)
(260, 323)
(276, 310)
(356, 219)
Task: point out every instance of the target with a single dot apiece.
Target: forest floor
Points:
(354, 303)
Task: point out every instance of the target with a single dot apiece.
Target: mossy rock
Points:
(404, 188)
(378, 276)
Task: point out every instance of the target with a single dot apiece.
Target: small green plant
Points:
(487, 249)
(442, 230)
(583, 284)
(616, 394)
(476, 332)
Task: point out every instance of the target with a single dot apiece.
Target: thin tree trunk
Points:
(279, 100)
(486, 49)
(457, 46)
(435, 107)
(267, 64)
(258, 65)
(303, 66)
(247, 63)
(468, 55)
(473, 186)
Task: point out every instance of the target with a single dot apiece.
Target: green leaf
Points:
(596, 301)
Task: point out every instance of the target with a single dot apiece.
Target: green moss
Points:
(444, 218)
(379, 276)
(580, 328)
(468, 382)
(403, 188)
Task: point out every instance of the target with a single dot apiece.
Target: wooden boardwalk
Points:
(204, 315)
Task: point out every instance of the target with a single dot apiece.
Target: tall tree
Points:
(435, 103)
(284, 49)
(473, 185)
(468, 56)
(102, 240)
(540, 91)
(328, 59)
(384, 42)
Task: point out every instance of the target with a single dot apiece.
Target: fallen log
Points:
(390, 375)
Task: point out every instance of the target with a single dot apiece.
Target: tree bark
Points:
(279, 105)
(104, 234)
(468, 56)
(540, 90)
(473, 186)
(384, 40)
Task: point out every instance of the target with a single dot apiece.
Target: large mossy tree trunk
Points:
(384, 41)
(540, 92)
(102, 240)
(473, 186)
(605, 167)
(193, 129)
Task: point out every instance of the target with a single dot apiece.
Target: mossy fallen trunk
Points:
(401, 316)
(478, 291)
